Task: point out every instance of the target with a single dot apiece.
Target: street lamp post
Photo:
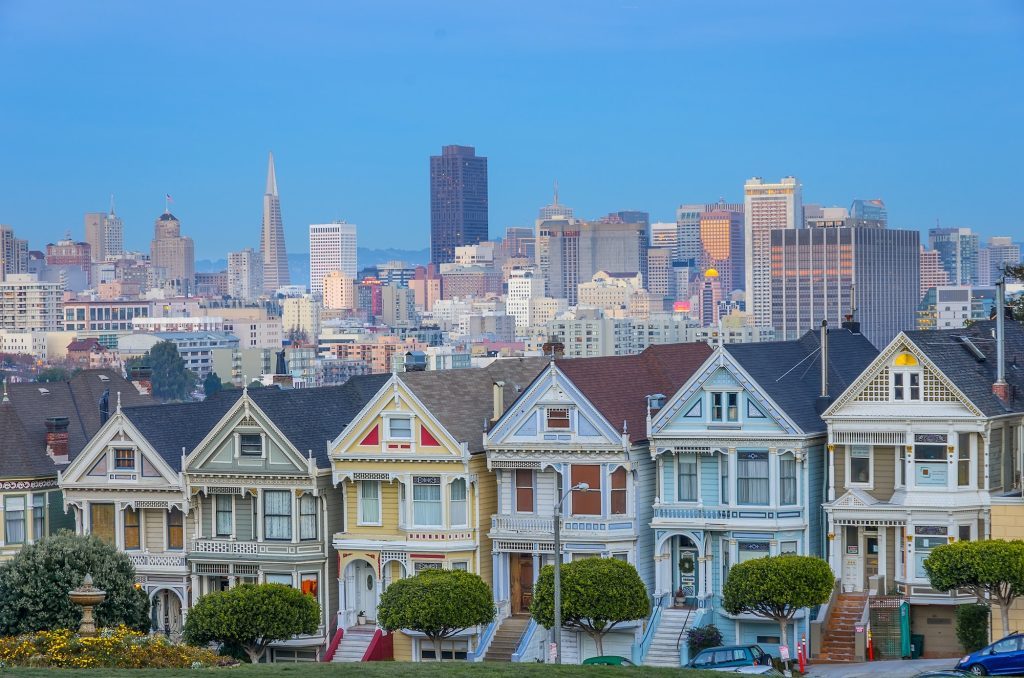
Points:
(582, 487)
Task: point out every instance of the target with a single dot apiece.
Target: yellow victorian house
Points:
(417, 494)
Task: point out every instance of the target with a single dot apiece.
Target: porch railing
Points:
(157, 560)
(546, 525)
(639, 650)
(523, 648)
(477, 655)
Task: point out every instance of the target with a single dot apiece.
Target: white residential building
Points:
(525, 289)
(332, 247)
(245, 274)
(26, 303)
(301, 314)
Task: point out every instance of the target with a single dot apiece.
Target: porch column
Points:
(295, 516)
(232, 581)
(195, 589)
(883, 560)
(119, 526)
(831, 475)
(834, 547)
(259, 514)
(536, 567)
(496, 575)
(30, 520)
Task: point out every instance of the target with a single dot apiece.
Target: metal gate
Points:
(889, 617)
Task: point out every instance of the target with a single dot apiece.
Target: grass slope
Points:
(368, 670)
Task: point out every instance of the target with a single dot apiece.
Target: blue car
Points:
(1003, 657)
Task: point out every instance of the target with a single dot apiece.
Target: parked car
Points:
(608, 660)
(756, 670)
(1003, 657)
(730, 655)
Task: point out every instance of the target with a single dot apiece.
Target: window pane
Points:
(400, 427)
(102, 521)
(277, 512)
(131, 529)
(175, 529)
(457, 502)
(369, 498)
(285, 579)
(752, 478)
(687, 477)
(558, 417)
(586, 503)
(251, 444)
(124, 458)
(14, 520)
(787, 479)
(929, 453)
(426, 503)
(309, 584)
(307, 517)
(733, 406)
(225, 505)
(618, 492)
(38, 516)
(524, 491)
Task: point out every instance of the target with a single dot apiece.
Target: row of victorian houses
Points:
(696, 458)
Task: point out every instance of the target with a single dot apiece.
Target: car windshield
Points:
(1005, 645)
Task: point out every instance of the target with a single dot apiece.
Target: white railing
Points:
(254, 548)
(690, 513)
(570, 524)
(153, 560)
(740, 514)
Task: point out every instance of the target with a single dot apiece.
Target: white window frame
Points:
(725, 407)
(263, 445)
(871, 468)
(464, 501)
(440, 500)
(906, 372)
(395, 417)
(216, 515)
(361, 518)
(568, 416)
(796, 479)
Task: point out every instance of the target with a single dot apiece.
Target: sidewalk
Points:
(898, 668)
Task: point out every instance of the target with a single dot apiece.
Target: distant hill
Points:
(298, 263)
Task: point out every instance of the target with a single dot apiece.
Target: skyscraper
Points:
(458, 201)
(664, 234)
(13, 252)
(1000, 252)
(722, 242)
(766, 207)
(172, 255)
(932, 272)
(104, 231)
(332, 247)
(555, 209)
(245, 274)
(958, 251)
(570, 251)
(871, 210)
(824, 273)
(272, 249)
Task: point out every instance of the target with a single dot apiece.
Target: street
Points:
(898, 668)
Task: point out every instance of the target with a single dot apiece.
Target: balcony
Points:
(256, 550)
(572, 526)
(158, 562)
(717, 517)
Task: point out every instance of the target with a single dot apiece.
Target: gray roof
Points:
(789, 372)
(29, 404)
(308, 417)
(463, 399)
(972, 375)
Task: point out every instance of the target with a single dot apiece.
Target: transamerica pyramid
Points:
(275, 259)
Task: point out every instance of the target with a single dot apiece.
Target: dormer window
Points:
(557, 418)
(725, 406)
(250, 444)
(906, 378)
(124, 459)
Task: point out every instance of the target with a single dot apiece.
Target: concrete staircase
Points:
(506, 638)
(664, 650)
(838, 642)
(354, 643)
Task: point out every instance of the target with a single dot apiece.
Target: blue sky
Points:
(630, 104)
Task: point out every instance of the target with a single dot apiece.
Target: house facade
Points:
(578, 422)
(413, 479)
(740, 456)
(921, 448)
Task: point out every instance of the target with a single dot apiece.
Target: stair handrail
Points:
(485, 641)
(682, 631)
(639, 651)
(339, 633)
(524, 641)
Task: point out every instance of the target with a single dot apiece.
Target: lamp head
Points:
(583, 486)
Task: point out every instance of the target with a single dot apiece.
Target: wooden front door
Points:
(521, 584)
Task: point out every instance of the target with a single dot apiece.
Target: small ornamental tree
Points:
(34, 586)
(170, 378)
(212, 384)
(252, 616)
(598, 594)
(992, 569)
(437, 603)
(777, 587)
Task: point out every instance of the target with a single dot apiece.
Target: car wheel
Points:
(979, 670)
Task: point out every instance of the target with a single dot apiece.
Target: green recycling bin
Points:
(916, 645)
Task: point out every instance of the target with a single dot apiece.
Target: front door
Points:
(870, 556)
(521, 584)
(688, 589)
(853, 560)
(365, 585)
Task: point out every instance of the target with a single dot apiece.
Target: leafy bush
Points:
(252, 616)
(119, 648)
(701, 637)
(34, 586)
(972, 626)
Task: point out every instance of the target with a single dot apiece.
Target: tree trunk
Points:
(1004, 614)
(255, 653)
(437, 649)
(784, 626)
(599, 641)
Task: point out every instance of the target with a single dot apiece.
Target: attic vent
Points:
(44, 391)
(103, 377)
(975, 351)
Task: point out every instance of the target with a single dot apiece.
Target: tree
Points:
(53, 374)
(777, 587)
(252, 616)
(170, 378)
(992, 569)
(212, 384)
(34, 586)
(437, 603)
(598, 594)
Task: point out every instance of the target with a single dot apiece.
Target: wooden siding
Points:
(644, 489)
(813, 496)
(839, 452)
(884, 472)
(155, 521)
(486, 490)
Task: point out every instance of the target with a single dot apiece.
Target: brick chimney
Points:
(57, 439)
(1001, 389)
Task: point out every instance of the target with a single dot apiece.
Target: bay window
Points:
(131, 529)
(524, 491)
(225, 504)
(426, 501)
(963, 460)
(457, 503)
(175, 529)
(752, 478)
(860, 464)
(586, 503)
(101, 522)
(752, 550)
(14, 520)
(687, 477)
(787, 479)
(277, 514)
(618, 492)
(307, 517)
(926, 538)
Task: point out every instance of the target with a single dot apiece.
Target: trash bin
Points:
(916, 645)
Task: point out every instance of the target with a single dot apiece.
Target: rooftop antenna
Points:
(119, 402)
(111, 204)
(556, 192)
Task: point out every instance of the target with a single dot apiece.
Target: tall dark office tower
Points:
(458, 201)
(275, 258)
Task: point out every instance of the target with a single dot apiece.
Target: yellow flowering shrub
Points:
(113, 648)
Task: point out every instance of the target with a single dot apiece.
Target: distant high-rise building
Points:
(104, 231)
(825, 273)
(339, 291)
(13, 252)
(870, 210)
(709, 295)
(558, 256)
(332, 247)
(245, 274)
(300, 317)
(29, 304)
(555, 209)
(68, 253)
(458, 201)
(628, 217)
(665, 234)
(999, 253)
(766, 207)
(722, 243)
(688, 246)
(659, 278)
(525, 291)
(272, 248)
(958, 251)
(520, 241)
(172, 255)
(932, 273)
(398, 306)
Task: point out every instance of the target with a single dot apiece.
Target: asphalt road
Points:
(899, 668)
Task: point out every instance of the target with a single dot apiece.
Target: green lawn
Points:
(368, 670)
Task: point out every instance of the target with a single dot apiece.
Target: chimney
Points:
(655, 402)
(499, 400)
(105, 407)
(850, 324)
(553, 348)
(141, 377)
(57, 438)
(1001, 389)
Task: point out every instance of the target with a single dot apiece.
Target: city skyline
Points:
(61, 166)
